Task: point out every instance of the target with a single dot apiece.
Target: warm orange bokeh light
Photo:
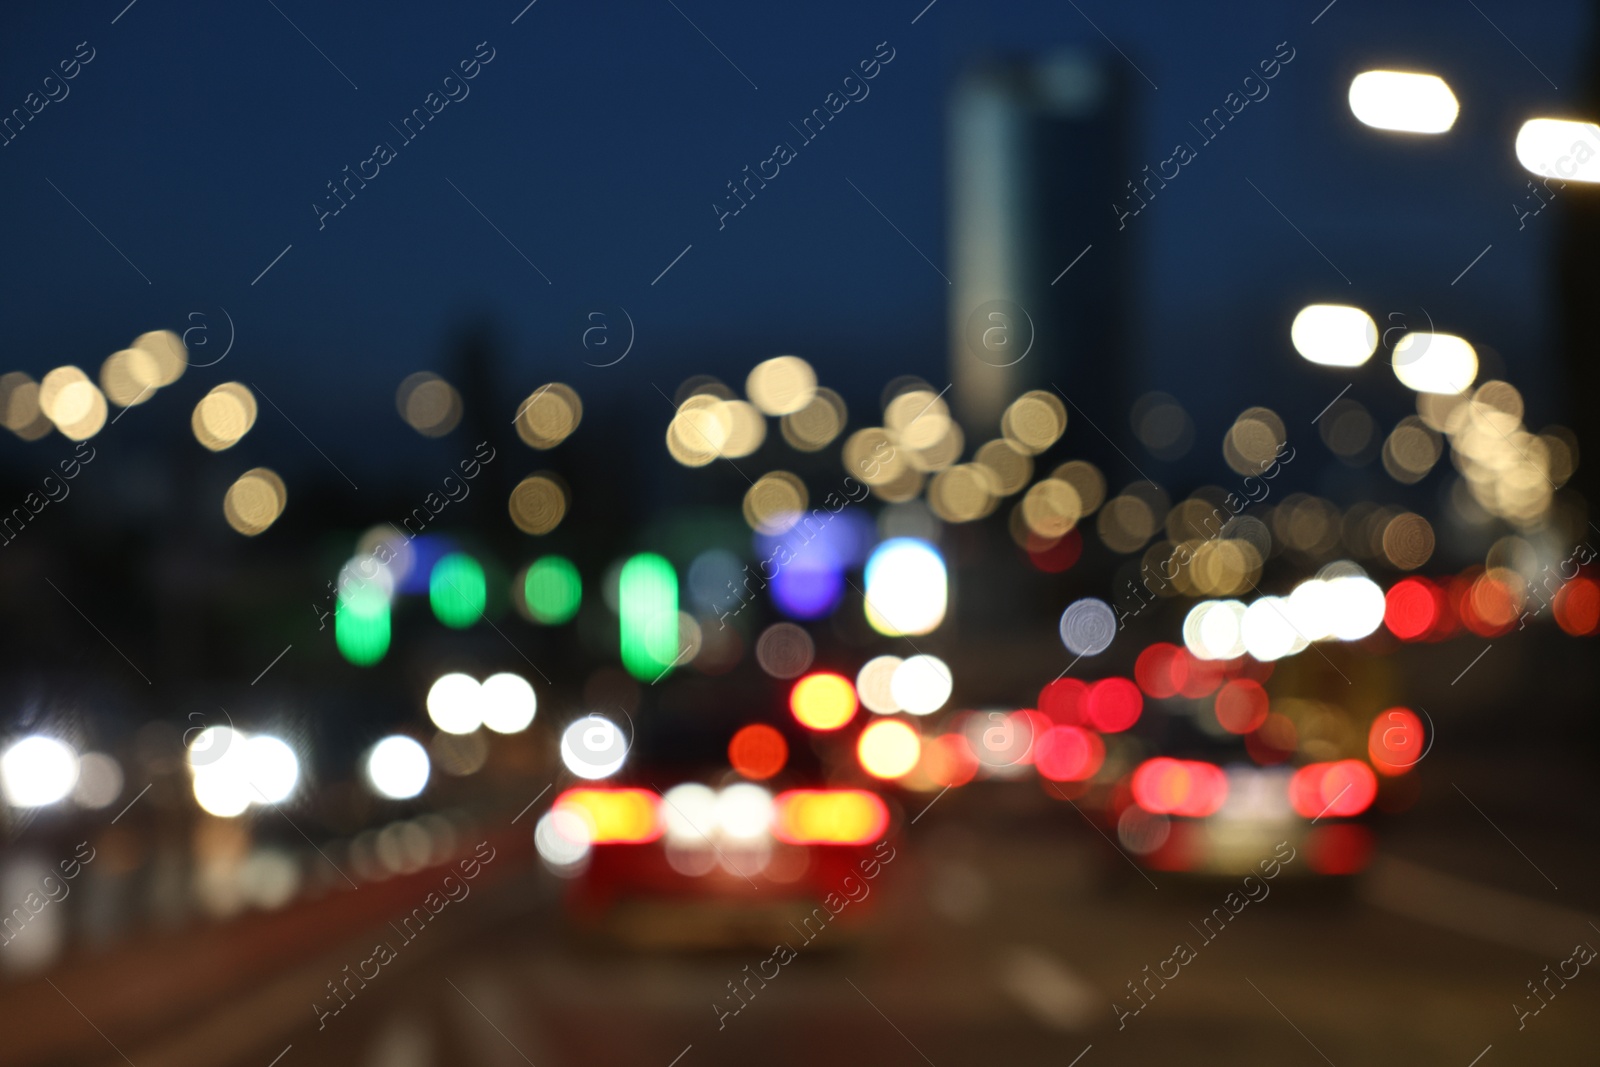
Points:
(888, 749)
(614, 816)
(1241, 706)
(1160, 670)
(823, 701)
(1577, 606)
(948, 760)
(1395, 741)
(758, 751)
(829, 817)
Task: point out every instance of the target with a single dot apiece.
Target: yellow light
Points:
(168, 351)
(1052, 508)
(223, 416)
(74, 403)
(1334, 335)
(775, 502)
(699, 430)
(829, 816)
(255, 501)
(538, 504)
(1008, 467)
(549, 415)
(817, 424)
(614, 816)
(130, 377)
(1560, 148)
(19, 407)
(823, 701)
(1086, 480)
(429, 404)
(1034, 422)
(781, 385)
(963, 493)
(888, 749)
(1411, 103)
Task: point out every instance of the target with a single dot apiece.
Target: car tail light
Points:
(1342, 789)
(829, 817)
(1190, 788)
(615, 816)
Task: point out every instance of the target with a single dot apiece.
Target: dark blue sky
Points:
(597, 139)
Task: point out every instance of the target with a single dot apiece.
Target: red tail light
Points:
(1339, 789)
(1191, 788)
(615, 816)
(829, 817)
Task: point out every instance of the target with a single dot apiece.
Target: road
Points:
(1005, 934)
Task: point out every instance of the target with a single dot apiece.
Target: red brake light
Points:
(829, 817)
(615, 816)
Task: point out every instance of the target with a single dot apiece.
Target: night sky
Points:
(588, 152)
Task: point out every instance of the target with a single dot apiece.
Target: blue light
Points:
(808, 588)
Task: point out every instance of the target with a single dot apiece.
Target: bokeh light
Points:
(781, 385)
(1577, 606)
(223, 416)
(398, 767)
(1113, 705)
(921, 684)
(1339, 789)
(1068, 754)
(1088, 627)
(1435, 363)
(784, 650)
(1404, 101)
(538, 503)
(507, 703)
(829, 816)
(1241, 706)
(37, 771)
(1411, 608)
(593, 747)
(614, 816)
(647, 613)
(1334, 335)
(874, 684)
(361, 622)
(428, 404)
(1191, 788)
(552, 590)
(254, 501)
(1542, 144)
(548, 416)
(74, 403)
(906, 588)
(99, 780)
(758, 751)
(823, 701)
(457, 590)
(888, 749)
(1396, 740)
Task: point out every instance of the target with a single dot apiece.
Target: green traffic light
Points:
(553, 590)
(457, 590)
(647, 602)
(361, 624)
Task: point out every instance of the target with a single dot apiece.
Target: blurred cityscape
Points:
(1008, 552)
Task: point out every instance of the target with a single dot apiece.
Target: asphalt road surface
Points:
(1005, 933)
